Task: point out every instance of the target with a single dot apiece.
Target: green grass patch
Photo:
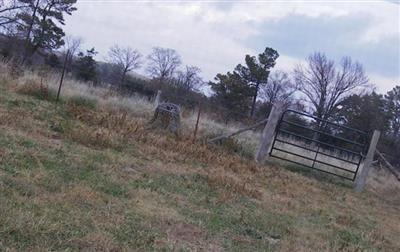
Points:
(240, 217)
(349, 239)
(28, 225)
(313, 173)
(134, 233)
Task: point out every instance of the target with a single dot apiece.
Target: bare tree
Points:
(72, 46)
(279, 88)
(126, 58)
(163, 63)
(8, 11)
(189, 79)
(325, 84)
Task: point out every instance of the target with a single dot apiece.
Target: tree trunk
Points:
(28, 35)
(122, 79)
(46, 10)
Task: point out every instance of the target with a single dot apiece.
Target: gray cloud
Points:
(299, 36)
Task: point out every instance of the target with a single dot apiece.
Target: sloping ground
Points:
(76, 176)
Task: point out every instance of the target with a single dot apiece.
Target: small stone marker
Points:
(158, 98)
(167, 116)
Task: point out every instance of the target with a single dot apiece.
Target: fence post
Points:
(157, 100)
(269, 131)
(62, 76)
(362, 178)
(197, 124)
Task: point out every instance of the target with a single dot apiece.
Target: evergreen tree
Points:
(367, 112)
(232, 93)
(391, 146)
(53, 61)
(374, 112)
(85, 66)
(256, 71)
(40, 21)
(393, 108)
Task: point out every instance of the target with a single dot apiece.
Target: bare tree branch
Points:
(326, 85)
(8, 12)
(280, 87)
(163, 63)
(8, 6)
(71, 45)
(189, 79)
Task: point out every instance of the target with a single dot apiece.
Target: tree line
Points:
(32, 34)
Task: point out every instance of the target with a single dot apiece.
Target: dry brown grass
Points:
(182, 149)
(102, 129)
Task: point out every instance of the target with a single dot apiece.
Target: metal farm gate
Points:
(319, 144)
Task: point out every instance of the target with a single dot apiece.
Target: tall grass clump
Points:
(81, 92)
(4, 72)
(79, 100)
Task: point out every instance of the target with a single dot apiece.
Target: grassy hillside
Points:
(83, 176)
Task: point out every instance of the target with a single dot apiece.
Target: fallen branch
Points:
(237, 132)
(389, 166)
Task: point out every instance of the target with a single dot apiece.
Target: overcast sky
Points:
(216, 35)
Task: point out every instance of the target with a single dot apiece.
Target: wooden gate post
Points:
(269, 131)
(362, 178)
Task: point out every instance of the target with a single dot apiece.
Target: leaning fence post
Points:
(197, 124)
(62, 76)
(269, 131)
(362, 178)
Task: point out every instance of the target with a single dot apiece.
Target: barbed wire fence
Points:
(231, 123)
(221, 114)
